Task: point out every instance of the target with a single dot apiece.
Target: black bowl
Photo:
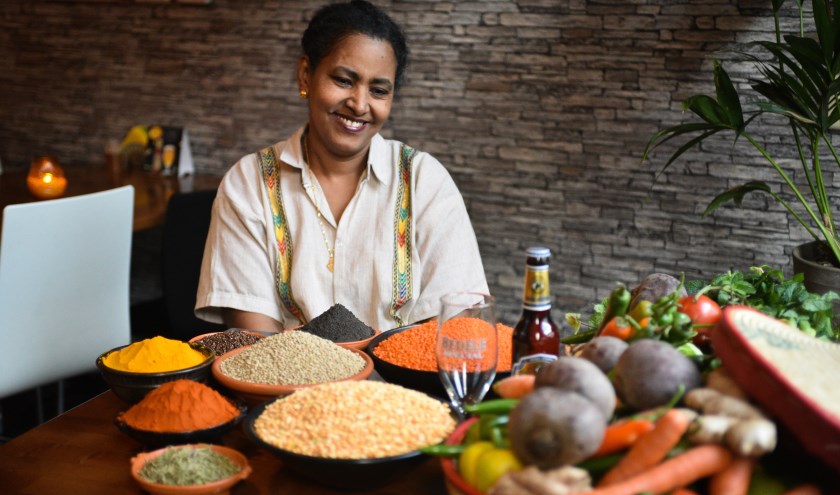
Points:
(132, 387)
(427, 382)
(163, 439)
(339, 474)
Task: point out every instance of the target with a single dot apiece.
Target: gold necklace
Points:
(330, 251)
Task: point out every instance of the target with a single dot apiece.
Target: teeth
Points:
(352, 124)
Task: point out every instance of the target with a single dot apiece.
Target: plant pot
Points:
(820, 277)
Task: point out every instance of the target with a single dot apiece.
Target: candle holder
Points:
(46, 178)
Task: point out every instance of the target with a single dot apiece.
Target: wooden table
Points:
(151, 192)
(82, 451)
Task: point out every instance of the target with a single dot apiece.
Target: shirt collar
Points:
(378, 156)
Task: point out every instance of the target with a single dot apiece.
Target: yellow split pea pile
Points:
(354, 420)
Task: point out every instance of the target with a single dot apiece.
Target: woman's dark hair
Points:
(333, 23)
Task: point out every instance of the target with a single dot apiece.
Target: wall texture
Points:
(539, 108)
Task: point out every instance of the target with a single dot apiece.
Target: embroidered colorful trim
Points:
(401, 287)
(271, 177)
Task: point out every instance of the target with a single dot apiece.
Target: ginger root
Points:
(751, 437)
(718, 379)
(710, 401)
(566, 480)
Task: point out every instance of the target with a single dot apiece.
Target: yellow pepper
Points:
(493, 464)
(468, 460)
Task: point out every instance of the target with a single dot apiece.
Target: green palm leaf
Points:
(736, 195)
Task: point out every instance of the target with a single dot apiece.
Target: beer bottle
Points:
(536, 338)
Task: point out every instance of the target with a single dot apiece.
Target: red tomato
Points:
(704, 312)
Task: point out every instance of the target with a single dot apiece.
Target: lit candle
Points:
(46, 178)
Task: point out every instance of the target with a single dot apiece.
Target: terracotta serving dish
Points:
(256, 393)
(792, 376)
(455, 484)
(221, 487)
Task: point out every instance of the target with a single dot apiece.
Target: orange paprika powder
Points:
(178, 406)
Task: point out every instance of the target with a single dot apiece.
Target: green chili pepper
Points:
(442, 450)
(579, 337)
(495, 406)
(617, 305)
(600, 465)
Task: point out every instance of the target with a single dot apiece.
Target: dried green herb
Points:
(188, 466)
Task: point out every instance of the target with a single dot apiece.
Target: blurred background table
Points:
(82, 451)
(151, 192)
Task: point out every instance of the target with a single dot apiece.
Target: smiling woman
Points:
(336, 214)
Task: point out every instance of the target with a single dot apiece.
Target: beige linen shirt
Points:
(240, 256)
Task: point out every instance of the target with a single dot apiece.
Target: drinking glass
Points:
(466, 347)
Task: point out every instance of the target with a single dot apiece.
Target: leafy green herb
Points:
(767, 290)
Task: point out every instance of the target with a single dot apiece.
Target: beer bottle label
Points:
(530, 364)
(537, 295)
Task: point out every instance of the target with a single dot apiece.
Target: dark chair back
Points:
(184, 235)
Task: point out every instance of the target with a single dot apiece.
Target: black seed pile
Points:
(223, 342)
(338, 324)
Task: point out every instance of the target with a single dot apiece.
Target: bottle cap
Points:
(538, 252)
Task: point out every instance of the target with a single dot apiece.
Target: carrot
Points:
(683, 491)
(735, 479)
(650, 448)
(514, 386)
(806, 489)
(682, 470)
(622, 434)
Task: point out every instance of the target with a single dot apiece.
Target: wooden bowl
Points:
(256, 393)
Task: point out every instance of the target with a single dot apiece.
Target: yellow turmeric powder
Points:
(154, 355)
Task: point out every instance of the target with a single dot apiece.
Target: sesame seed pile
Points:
(354, 420)
(293, 358)
(338, 324)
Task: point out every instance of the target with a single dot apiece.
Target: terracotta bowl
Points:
(132, 387)
(220, 487)
(455, 484)
(347, 475)
(256, 393)
(353, 344)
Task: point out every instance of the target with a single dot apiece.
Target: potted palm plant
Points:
(801, 84)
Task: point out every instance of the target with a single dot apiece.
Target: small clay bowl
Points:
(220, 487)
(257, 393)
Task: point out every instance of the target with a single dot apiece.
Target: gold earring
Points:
(303, 93)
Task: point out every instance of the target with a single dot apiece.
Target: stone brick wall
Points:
(539, 108)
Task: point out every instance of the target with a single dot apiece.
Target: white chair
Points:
(64, 286)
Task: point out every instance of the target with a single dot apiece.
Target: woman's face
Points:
(350, 94)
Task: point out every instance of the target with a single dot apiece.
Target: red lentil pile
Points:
(354, 420)
(414, 348)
